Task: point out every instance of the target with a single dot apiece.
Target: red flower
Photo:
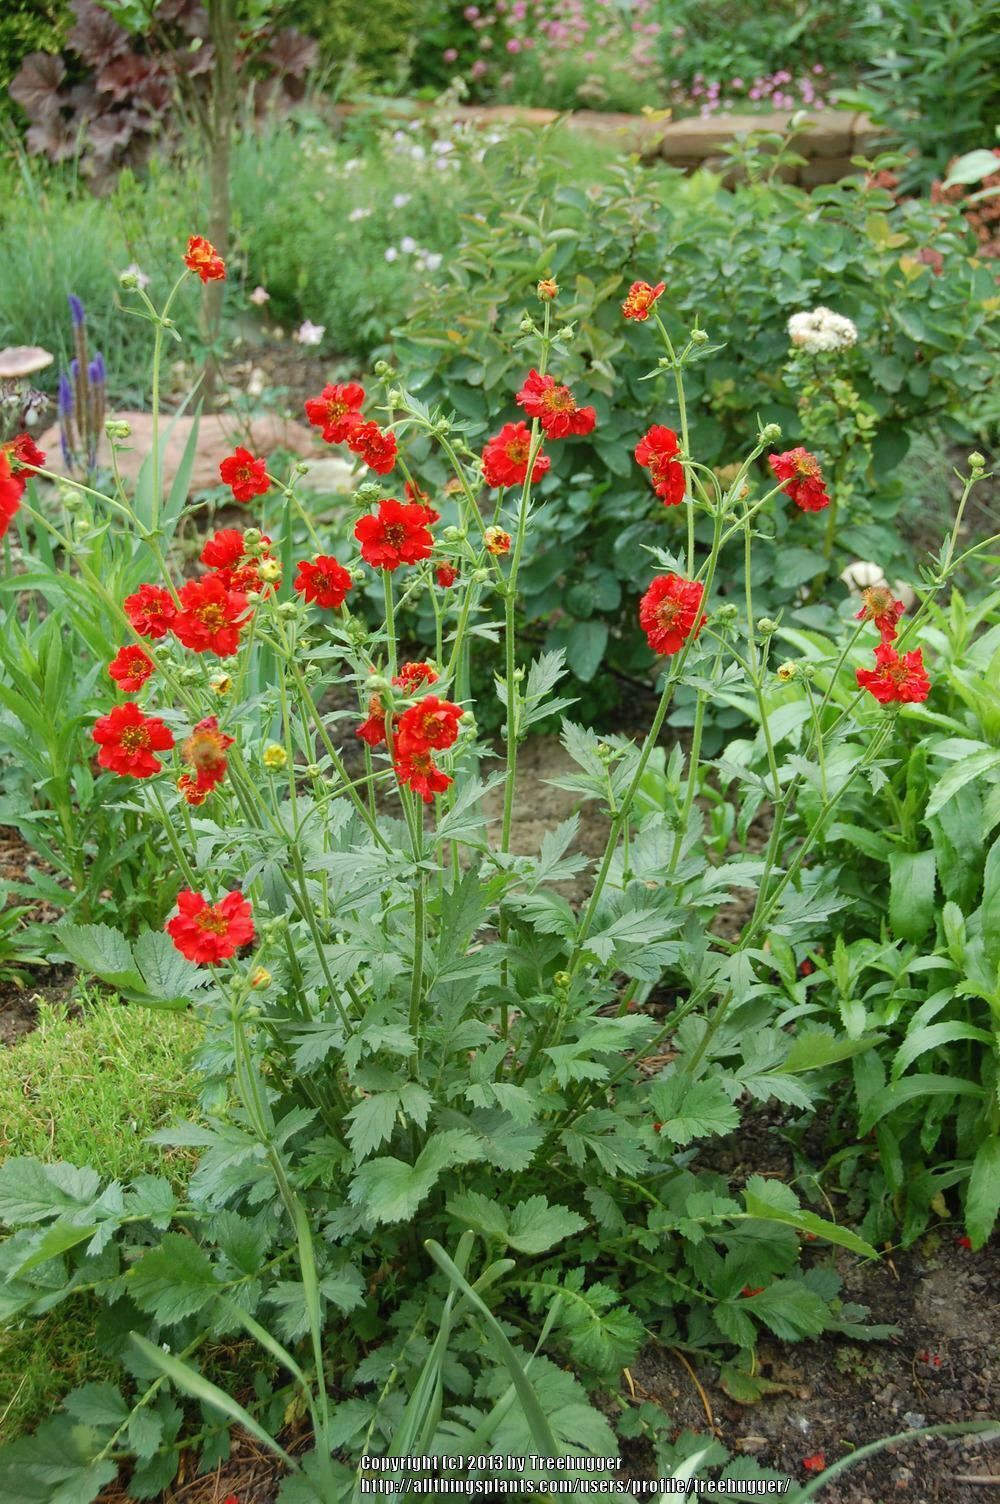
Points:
(554, 407)
(446, 575)
(151, 611)
(505, 458)
(640, 300)
(411, 675)
(203, 258)
(336, 410)
(657, 452)
(23, 456)
(668, 612)
(803, 478)
(431, 723)
(880, 607)
(397, 535)
(11, 488)
(128, 741)
(130, 668)
(244, 475)
(420, 498)
(377, 449)
(814, 1464)
(416, 769)
(964, 1241)
(211, 616)
(188, 787)
(225, 552)
(372, 730)
(749, 1291)
(208, 933)
(205, 752)
(323, 581)
(902, 681)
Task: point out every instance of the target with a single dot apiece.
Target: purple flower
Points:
(65, 398)
(96, 372)
(76, 312)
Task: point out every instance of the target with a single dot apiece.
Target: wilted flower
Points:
(822, 330)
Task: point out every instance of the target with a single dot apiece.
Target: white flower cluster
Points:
(822, 330)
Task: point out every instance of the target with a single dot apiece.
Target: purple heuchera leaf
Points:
(36, 86)
(95, 36)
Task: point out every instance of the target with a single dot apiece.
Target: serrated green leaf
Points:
(100, 951)
(31, 1191)
(174, 1280)
(773, 1201)
(689, 1109)
(535, 1226)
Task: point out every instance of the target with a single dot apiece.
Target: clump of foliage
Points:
(464, 1155)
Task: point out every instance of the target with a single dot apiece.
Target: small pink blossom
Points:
(260, 296)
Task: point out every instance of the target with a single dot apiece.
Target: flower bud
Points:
(260, 978)
(313, 770)
(274, 757)
(976, 462)
(787, 672)
(128, 280)
(726, 612)
(770, 432)
(519, 676)
(527, 325)
(698, 337)
(496, 541)
(288, 610)
(566, 334)
(252, 537)
(480, 576)
(442, 427)
(383, 369)
(766, 627)
(547, 290)
(359, 574)
(368, 493)
(117, 428)
(452, 534)
(269, 571)
(221, 684)
(301, 467)
(378, 684)
(395, 397)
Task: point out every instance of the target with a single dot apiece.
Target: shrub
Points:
(29, 26)
(463, 1150)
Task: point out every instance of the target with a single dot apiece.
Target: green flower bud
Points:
(766, 627)
(453, 534)
(698, 337)
(787, 672)
(128, 280)
(383, 369)
(770, 433)
(288, 610)
(117, 428)
(976, 461)
(726, 612)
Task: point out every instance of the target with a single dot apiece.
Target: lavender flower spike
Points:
(76, 312)
(96, 370)
(65, 396)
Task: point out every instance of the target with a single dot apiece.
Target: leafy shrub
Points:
(377, 50)
(29, 26)
(924, 345)
(445, 1147)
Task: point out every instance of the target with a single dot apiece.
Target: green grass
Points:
(87, 1089)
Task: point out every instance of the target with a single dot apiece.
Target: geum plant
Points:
(446, 1148)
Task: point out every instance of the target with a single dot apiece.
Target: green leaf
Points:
(535, 1226)
(690, 1109)
(971, 168)
(59, 1238)
(483, 1213)
(97, 1405)
(773, 1201)
(174, 1280)
(813, 1050)
(990, 912)
(982, 1197)
(100, 951)
(930, 1037)
(911, 893)
(31, 1191)
(169, 979)
(391, 1190)
(790, 1309)
(909, 1089)
(372, 1120)
(958, 776)
(585, 650)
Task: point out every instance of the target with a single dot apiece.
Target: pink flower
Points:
(450, 55)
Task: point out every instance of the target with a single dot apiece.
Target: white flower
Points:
(141, 280)
(407, 245)
(432, 260)
(391, 254)
(260, 296)
(309, 333)
(400, 200)
(821, 330)
(358, 214)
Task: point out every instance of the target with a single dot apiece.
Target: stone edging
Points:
(829, 141)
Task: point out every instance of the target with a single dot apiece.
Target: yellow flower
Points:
(275, 756)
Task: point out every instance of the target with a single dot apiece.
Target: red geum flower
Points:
(880, 607)
(446, 575)
(188, 788)
(413, 674)
(23, 456)
(372, 730)
(496, 541)
(205, 752)
(657, 452)
(640, 300)
(336, 410)
(555, 407)
(151, 611)
(420, 498)
(505, 458)
(203, 258)
(668, 612)
(431, 723)
(245, 475)
(377, 449)
(11, 488)
(209, 933)
(322, 581)
(129, 740)
(225, 553)
(416, 769)
(815, 1463)
(964, 1241)
(130, 668)
(896, 680)
(803, 478)
(211, 616)
(396, 535)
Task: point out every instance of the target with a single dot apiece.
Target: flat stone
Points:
(330, 475)
(635, 133)
(868, 138)
(218, 435)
